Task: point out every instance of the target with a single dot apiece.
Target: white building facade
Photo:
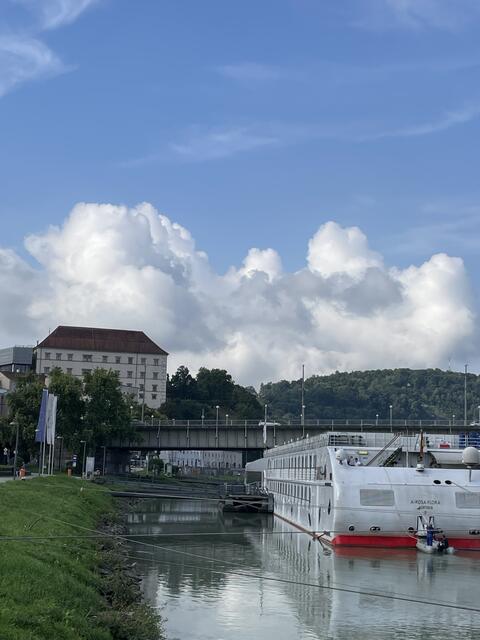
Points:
(225, 460)
(140, 363)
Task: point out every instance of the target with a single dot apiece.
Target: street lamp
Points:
(104, 459)
(216, 422)
(391, 417)
(376, 419)
(60, 453)
(14, 423)
(84, 462)
(226, 418)
(303, 420)
(203, 417)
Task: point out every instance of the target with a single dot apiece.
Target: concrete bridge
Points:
(245, 435)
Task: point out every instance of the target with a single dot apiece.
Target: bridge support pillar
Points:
(118, 461)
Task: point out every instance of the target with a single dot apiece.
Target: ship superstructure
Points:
(372, 489)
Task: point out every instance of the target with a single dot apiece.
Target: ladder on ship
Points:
(385, 457)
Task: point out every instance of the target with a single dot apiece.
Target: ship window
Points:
(377, 498)
(467, 500)
(437, 482)
(448, 482)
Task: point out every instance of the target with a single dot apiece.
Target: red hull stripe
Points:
(398, 541)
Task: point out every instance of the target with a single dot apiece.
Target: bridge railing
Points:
(310, 422)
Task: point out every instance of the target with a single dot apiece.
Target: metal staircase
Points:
(392, 458)
(385, 457)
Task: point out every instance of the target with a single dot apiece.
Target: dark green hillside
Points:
(414, 394)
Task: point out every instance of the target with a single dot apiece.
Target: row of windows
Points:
(293, 462)
(88, 357)
(117, 371)
(297, 491)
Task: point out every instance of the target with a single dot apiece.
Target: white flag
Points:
(51, 418)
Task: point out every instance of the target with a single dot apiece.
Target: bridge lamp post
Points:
(216, 422)
(376, 419)
(391, 417)
(226, 419)
(303, 420)
(203, 417)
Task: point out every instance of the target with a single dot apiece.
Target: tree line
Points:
(95, 410)
(415, 394)
(92, 409)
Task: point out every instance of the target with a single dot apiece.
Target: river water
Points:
(217, 576)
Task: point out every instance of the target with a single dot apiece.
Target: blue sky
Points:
(249, 123)
(252, 123)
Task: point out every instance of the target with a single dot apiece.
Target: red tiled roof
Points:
(92, 339)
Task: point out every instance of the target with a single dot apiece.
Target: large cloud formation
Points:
(133, 268)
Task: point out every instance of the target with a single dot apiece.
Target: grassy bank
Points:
(65, 588)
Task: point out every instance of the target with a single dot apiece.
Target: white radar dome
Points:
(471, 456)
(340, 455)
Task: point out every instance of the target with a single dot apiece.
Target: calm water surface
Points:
(215, 576)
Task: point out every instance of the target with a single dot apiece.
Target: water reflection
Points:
(212, 586)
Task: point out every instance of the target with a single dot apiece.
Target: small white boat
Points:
(433, 548)
(426, 529)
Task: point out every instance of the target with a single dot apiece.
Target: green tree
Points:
(24, 405)
(107, 412)
(182, 385)
(70, 405)
(215, 387)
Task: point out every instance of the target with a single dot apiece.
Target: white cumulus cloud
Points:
(121, 267)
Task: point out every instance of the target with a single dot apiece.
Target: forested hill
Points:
(415, 394)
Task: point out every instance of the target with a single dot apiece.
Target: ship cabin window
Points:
(377, 498)
(467, 500)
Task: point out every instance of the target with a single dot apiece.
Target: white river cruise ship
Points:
(377, 489)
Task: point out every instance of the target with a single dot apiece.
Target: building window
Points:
(48, 355)
(85, 371)
(155, 375)
(104, 358)
(155, 362)
(69, 356)
(154, 396)
(58, 356)
(142, 374)
(46, 369)
(130, 361)
(141, 387)
(129, 384)
(154, 387)
(87, 357)
(69, 371)
(143, 360)
(117, 371)
(118, 359)
(140, 395)
(129, 374)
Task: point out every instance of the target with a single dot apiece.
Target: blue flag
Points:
(42, 418)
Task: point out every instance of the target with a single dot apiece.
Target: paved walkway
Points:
(8, 478)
